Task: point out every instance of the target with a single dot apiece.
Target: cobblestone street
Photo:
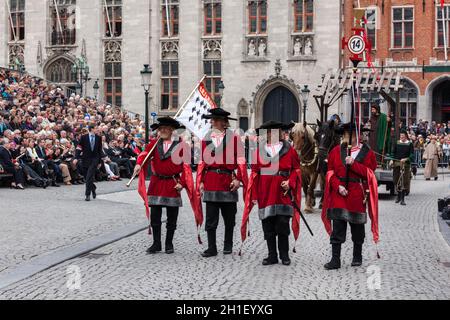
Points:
(414, 264)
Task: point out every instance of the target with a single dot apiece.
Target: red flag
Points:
(442, 4)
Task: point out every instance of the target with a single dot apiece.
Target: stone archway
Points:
(283, 84)
(59, 70)
(280, 105)
(438, 99)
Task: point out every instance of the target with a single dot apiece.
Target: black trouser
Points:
(18, 175)
(172, 217)
(213, 209)
(89, 169)
(276, 226)
(340, 231)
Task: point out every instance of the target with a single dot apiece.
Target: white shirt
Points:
(273, 149)
(217, 138)
(356, 150)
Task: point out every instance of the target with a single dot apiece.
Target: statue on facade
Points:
(297, 47)
(262, 48)
(308, 47)
(251, 48)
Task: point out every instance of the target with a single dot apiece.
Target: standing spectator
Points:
(431, 155)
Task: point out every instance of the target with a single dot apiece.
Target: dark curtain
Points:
(281, 105)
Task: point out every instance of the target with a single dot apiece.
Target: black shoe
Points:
(169, 242)
(398, 197)
(207, 253)
(283, 249)
(357, 255)
(403, 198)
(428, 179)
(156, 247)
(228, 241)
(335, 262)
(54, 184)
(212, 248)
(227, 251)
(286, 262)
(270, 261)
(94, 195)
(88, 198)
(435, 179)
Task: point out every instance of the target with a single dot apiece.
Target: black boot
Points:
(283, 249)
(228, 242)
(357, 255)
(169, 241)
(335, 262)
(156, 246)
(212, 247)
(272, 247)
(403, 198)
(399, 197)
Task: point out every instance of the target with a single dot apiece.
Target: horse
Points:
(327, 139)
(303, 137)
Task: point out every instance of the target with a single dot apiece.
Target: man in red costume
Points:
(219, 174)
(170, 175)
(345, 199)
(275, 177)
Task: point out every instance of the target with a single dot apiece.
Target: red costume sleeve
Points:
(248, 205)
(142, 188)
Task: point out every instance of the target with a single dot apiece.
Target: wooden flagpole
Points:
(11, 21)
(167, 19)
(175, 116)
(109, 19)
(444, 27)
(59, 21)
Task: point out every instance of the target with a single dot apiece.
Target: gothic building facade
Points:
(263, 52)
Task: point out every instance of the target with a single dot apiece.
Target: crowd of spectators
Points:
(40, 127)
(423, 132)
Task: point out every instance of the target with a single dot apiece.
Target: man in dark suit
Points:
(90, 152)
(10, 166)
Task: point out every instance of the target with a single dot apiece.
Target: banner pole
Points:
(176, 115)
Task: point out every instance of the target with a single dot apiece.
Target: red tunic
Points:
(353, 207)
(267, 185)
(217, 168)
(166, 173)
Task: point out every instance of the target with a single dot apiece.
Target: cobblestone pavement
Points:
(414, 264)
(37, 221)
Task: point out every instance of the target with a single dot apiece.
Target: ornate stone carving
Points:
(16, 54)
(212, 49)
(302, 45)
(169, 49)
(256, 47)
(112, 51)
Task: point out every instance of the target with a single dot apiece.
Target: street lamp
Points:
(305, 97)
(96, 87)
(221, 89)
(146, 76)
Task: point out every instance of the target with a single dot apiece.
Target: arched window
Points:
(408, 103)
(60, 71)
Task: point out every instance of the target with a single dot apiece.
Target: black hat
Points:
(273, 124)
(166, 122)
(345, 127)
(218, 113)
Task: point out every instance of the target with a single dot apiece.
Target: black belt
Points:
(167, 177)
(279, 173)
(355, 180)
(220, 171)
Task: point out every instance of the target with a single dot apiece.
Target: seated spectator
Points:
(10, 165)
